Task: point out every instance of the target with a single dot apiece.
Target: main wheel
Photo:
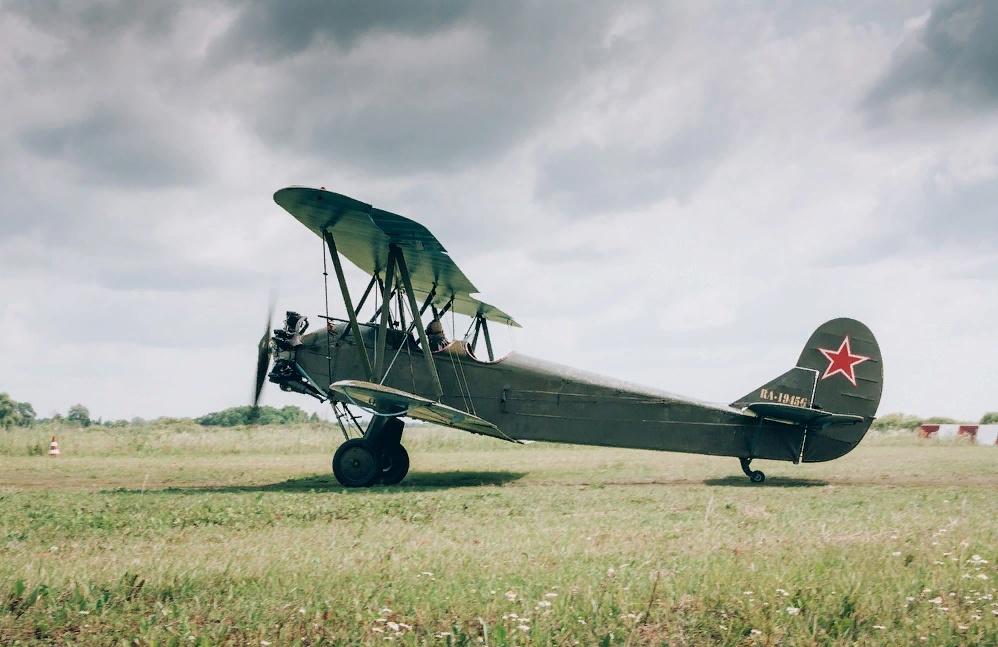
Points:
(757, 477)
(394, 465)
(356, 464)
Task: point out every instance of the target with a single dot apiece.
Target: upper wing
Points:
(363, 234)
(385, 401)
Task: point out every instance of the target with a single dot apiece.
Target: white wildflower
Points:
(793, 610)
(511, 595)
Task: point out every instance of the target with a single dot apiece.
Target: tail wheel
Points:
(395, 465)
(356, 464)
(755, 476)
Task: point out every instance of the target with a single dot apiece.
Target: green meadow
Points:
(182, 535)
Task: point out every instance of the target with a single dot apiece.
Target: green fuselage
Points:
(529, 399)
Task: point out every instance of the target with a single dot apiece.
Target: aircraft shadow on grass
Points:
(420, 481)
(775, 481)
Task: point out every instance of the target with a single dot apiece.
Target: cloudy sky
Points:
(671, 193)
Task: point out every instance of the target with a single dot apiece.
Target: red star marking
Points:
(842, 361)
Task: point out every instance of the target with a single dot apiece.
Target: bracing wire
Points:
(467, 386)
(325, 289)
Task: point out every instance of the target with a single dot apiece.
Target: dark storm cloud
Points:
(79, 21)
(267, 29)
(950, 64)
(434, 91)
(110, 146)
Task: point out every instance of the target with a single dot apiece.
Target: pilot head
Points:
(435, 335)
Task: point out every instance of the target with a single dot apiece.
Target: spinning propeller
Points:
(263, 358)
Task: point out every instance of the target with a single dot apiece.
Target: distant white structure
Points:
(979, 434)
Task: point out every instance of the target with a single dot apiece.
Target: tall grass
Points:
(190, 541)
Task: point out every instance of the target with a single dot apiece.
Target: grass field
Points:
(190, 536)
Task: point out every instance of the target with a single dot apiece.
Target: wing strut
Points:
(481, 324)
(488, 340)
(418, 320)
(379, 351)
(348, 304)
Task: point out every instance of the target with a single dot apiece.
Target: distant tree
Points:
(137, 421)
(314, 417)
(896, 421)
(9, 414)
(246, 415)
(940, 420)
(292, 415)
(27, 413)
(990, 418)
(79, 414)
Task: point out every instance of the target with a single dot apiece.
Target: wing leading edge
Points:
(363, 234)
(386, 401)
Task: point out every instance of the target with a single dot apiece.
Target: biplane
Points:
(397, 363)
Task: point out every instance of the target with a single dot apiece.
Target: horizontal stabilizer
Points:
(812, 418)
(386, 401)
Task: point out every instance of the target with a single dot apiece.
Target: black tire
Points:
(758, 477)
(356, 464)
(394, 465)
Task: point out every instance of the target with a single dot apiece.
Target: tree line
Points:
(22, 414)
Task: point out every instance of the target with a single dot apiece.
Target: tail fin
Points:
(841, 372)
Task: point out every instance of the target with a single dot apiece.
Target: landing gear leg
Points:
(378, 457)
(755, 476)
(385, 434)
